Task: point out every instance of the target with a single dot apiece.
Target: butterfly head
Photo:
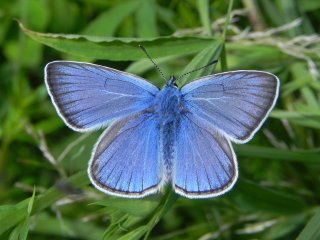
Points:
(172, 82)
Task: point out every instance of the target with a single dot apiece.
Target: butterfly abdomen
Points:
(168, 112)
(168, 148)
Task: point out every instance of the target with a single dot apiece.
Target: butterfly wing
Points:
(88, 96)
(236, 103)
(205, 164)
(125, 161)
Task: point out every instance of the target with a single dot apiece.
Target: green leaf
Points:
(312, 229)
(146, 19)
(207, 55)
(307, 119)
(20, 232)
(66, 228)
(228, 19)
(12, 215)
(4, 27)
(203, 6)
(285, 226)
(107, 23)
(130, 212)
(135, 234)
(30, 205)
(40, 20)
(257, 56)
(307, 157)
(253, 197)
(135, 207)
(20, 53)
(310, 98)
(167, 16)
(64, 15)
(143, 65)
(309, 5)
(165, 205)
(119, 48)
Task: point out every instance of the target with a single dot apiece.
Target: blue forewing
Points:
(235, 103)
(89, 96)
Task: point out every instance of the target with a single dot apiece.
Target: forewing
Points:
(87, 96)
(125, 161)
(236, 103)
(205, 164)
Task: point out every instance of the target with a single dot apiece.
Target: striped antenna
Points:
(157, 67)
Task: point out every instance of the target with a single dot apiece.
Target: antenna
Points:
(197, 69)
(157, 67)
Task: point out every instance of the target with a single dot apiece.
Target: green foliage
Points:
(44, 187)
(113, 48)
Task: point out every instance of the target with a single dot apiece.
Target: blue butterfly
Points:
(153, 137)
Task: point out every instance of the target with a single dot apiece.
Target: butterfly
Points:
(158, 136)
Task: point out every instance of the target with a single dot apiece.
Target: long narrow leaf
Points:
(119, 48)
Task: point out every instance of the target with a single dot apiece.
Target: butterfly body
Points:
(168, 108)
(153, 137)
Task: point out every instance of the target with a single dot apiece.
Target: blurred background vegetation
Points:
(44, 188)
